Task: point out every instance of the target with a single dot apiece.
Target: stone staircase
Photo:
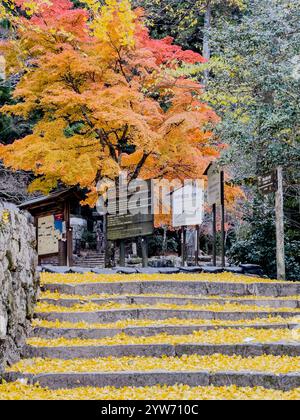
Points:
(94, 260)
(138, 331)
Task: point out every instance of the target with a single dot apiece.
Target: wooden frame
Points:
(59, 202)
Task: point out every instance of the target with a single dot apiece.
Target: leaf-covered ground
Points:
(235, 332)
(114, 278)
(18, 391)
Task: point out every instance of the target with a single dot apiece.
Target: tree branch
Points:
(139, 166)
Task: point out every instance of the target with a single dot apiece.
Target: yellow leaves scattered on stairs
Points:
(61, 296)
(161, 322)
(17, 391)
(114, 278)
(212, 363)
(93, 307)
(221, 336)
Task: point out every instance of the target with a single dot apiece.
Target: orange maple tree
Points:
(106, 97)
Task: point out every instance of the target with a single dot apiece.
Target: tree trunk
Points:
(206, 38)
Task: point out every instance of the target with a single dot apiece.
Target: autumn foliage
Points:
(104, 95)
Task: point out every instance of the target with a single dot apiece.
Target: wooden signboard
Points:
(214, 186)
(132, 217)
(128, 226)
(268, 183)
(48, 236)
(216, 197)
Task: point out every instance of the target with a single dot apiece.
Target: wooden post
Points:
(197, 245)
(183, 246)
(62, 253)
(214, 211)
(165, 241)
(223, 263)
(69, 239)
(122, 254)
(70, 246)
(105, 242)
(144, 246)
(280, 250)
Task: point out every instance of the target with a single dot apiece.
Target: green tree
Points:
(255, 240)
(254, 86)
(188, 21)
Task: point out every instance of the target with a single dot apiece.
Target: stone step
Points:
(68, 303)
(86, 262)
(97, 333)
(90, 261)
(285, 382)
(148, 300)
(91, 258)
(159, 350)
(179, 287)
(114, 315)
(89, 265)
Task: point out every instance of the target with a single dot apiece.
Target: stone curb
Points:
(159, 350)
(180, 287)
(109, 316)
(144, 331)
(148, 300)
(247, 269)
(140, 379)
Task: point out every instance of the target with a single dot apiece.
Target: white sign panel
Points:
(2, 68)
(48, 236)
(214, 186)
(188, 205)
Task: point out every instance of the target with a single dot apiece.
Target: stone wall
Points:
(19, 280)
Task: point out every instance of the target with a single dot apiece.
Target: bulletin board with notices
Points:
(50, 230)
